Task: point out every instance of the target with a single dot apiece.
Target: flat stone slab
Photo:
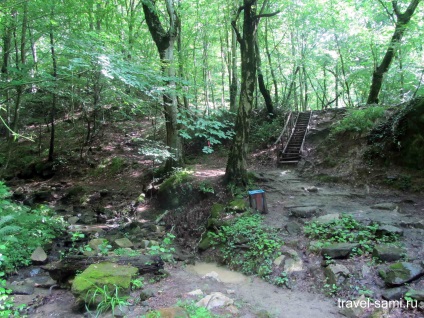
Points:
(401, 273)
(304, 212)
(416, 294)
(389, 206)
(338, 250)
(328, 218)
(388, 253)
(389, 230)
(394, 293)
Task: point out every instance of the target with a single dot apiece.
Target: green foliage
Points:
(23, 229)
(137, 283)
(126, 252)
(165, 249)
(154, 150)
(178, 176)
(105, 299)
(359, 120)
(347, 230)
(248, 246)
(206, 187)
(264, 132)
(7, 304)
(212, 128)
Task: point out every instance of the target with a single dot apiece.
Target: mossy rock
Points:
(100, 275)
(238, 205)
(217, 210)
(205, 243)
(401, 273)
(177, 190)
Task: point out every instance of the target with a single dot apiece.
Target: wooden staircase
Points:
(290, 153)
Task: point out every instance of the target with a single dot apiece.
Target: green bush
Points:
(264, 132)
(247, 245)
(199, 129)
(359, 120)
(23, 229)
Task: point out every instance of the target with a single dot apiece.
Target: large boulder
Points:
(105, 276)
(387, 252)
(338, 250)
(401, 273)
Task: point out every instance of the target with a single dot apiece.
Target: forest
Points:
(112, 108)
(105, 61)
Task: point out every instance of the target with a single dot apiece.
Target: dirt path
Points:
(284, 189)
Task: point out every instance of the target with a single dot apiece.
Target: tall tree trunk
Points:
(54, 95)
(7, 47)
(233, 78)
(268, 54)
(262, 88)
(236, 171)
(165, 41)
(402, 19)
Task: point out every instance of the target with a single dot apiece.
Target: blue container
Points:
(257, 200)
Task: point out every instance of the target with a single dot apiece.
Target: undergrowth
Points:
(247, 245)
(347, 230)
(23, 229)
(359, 120)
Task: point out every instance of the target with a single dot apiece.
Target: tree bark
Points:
(262, 88)
(236, 171)
(402, 19)
(54, 95)
(165, 41)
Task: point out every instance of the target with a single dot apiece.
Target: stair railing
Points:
(306, 132)
(287, 131)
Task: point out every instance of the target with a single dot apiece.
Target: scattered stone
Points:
(366, 271)
(401, 273)
(394, 293)
(312, 189)
(389, 206)
(355, 311)
(197, 292)
(279, 260)
(231, 291)
(338, 250)
(19, 288)
(336, 274)
(387, 252)
(147, 293)
(293, 228)
(388, 230)
(124, 243)
(96, 243)
(121, 311)
(39, 256)
(215, 300)
(73, 220)
(304, 212)
(212, 275)
(233, 310)
(416, 294)
(293, 265)
(328, 218)
(170, 312)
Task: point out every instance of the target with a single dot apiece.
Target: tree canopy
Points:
(67, 58)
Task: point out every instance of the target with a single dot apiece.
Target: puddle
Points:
(225, 275)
